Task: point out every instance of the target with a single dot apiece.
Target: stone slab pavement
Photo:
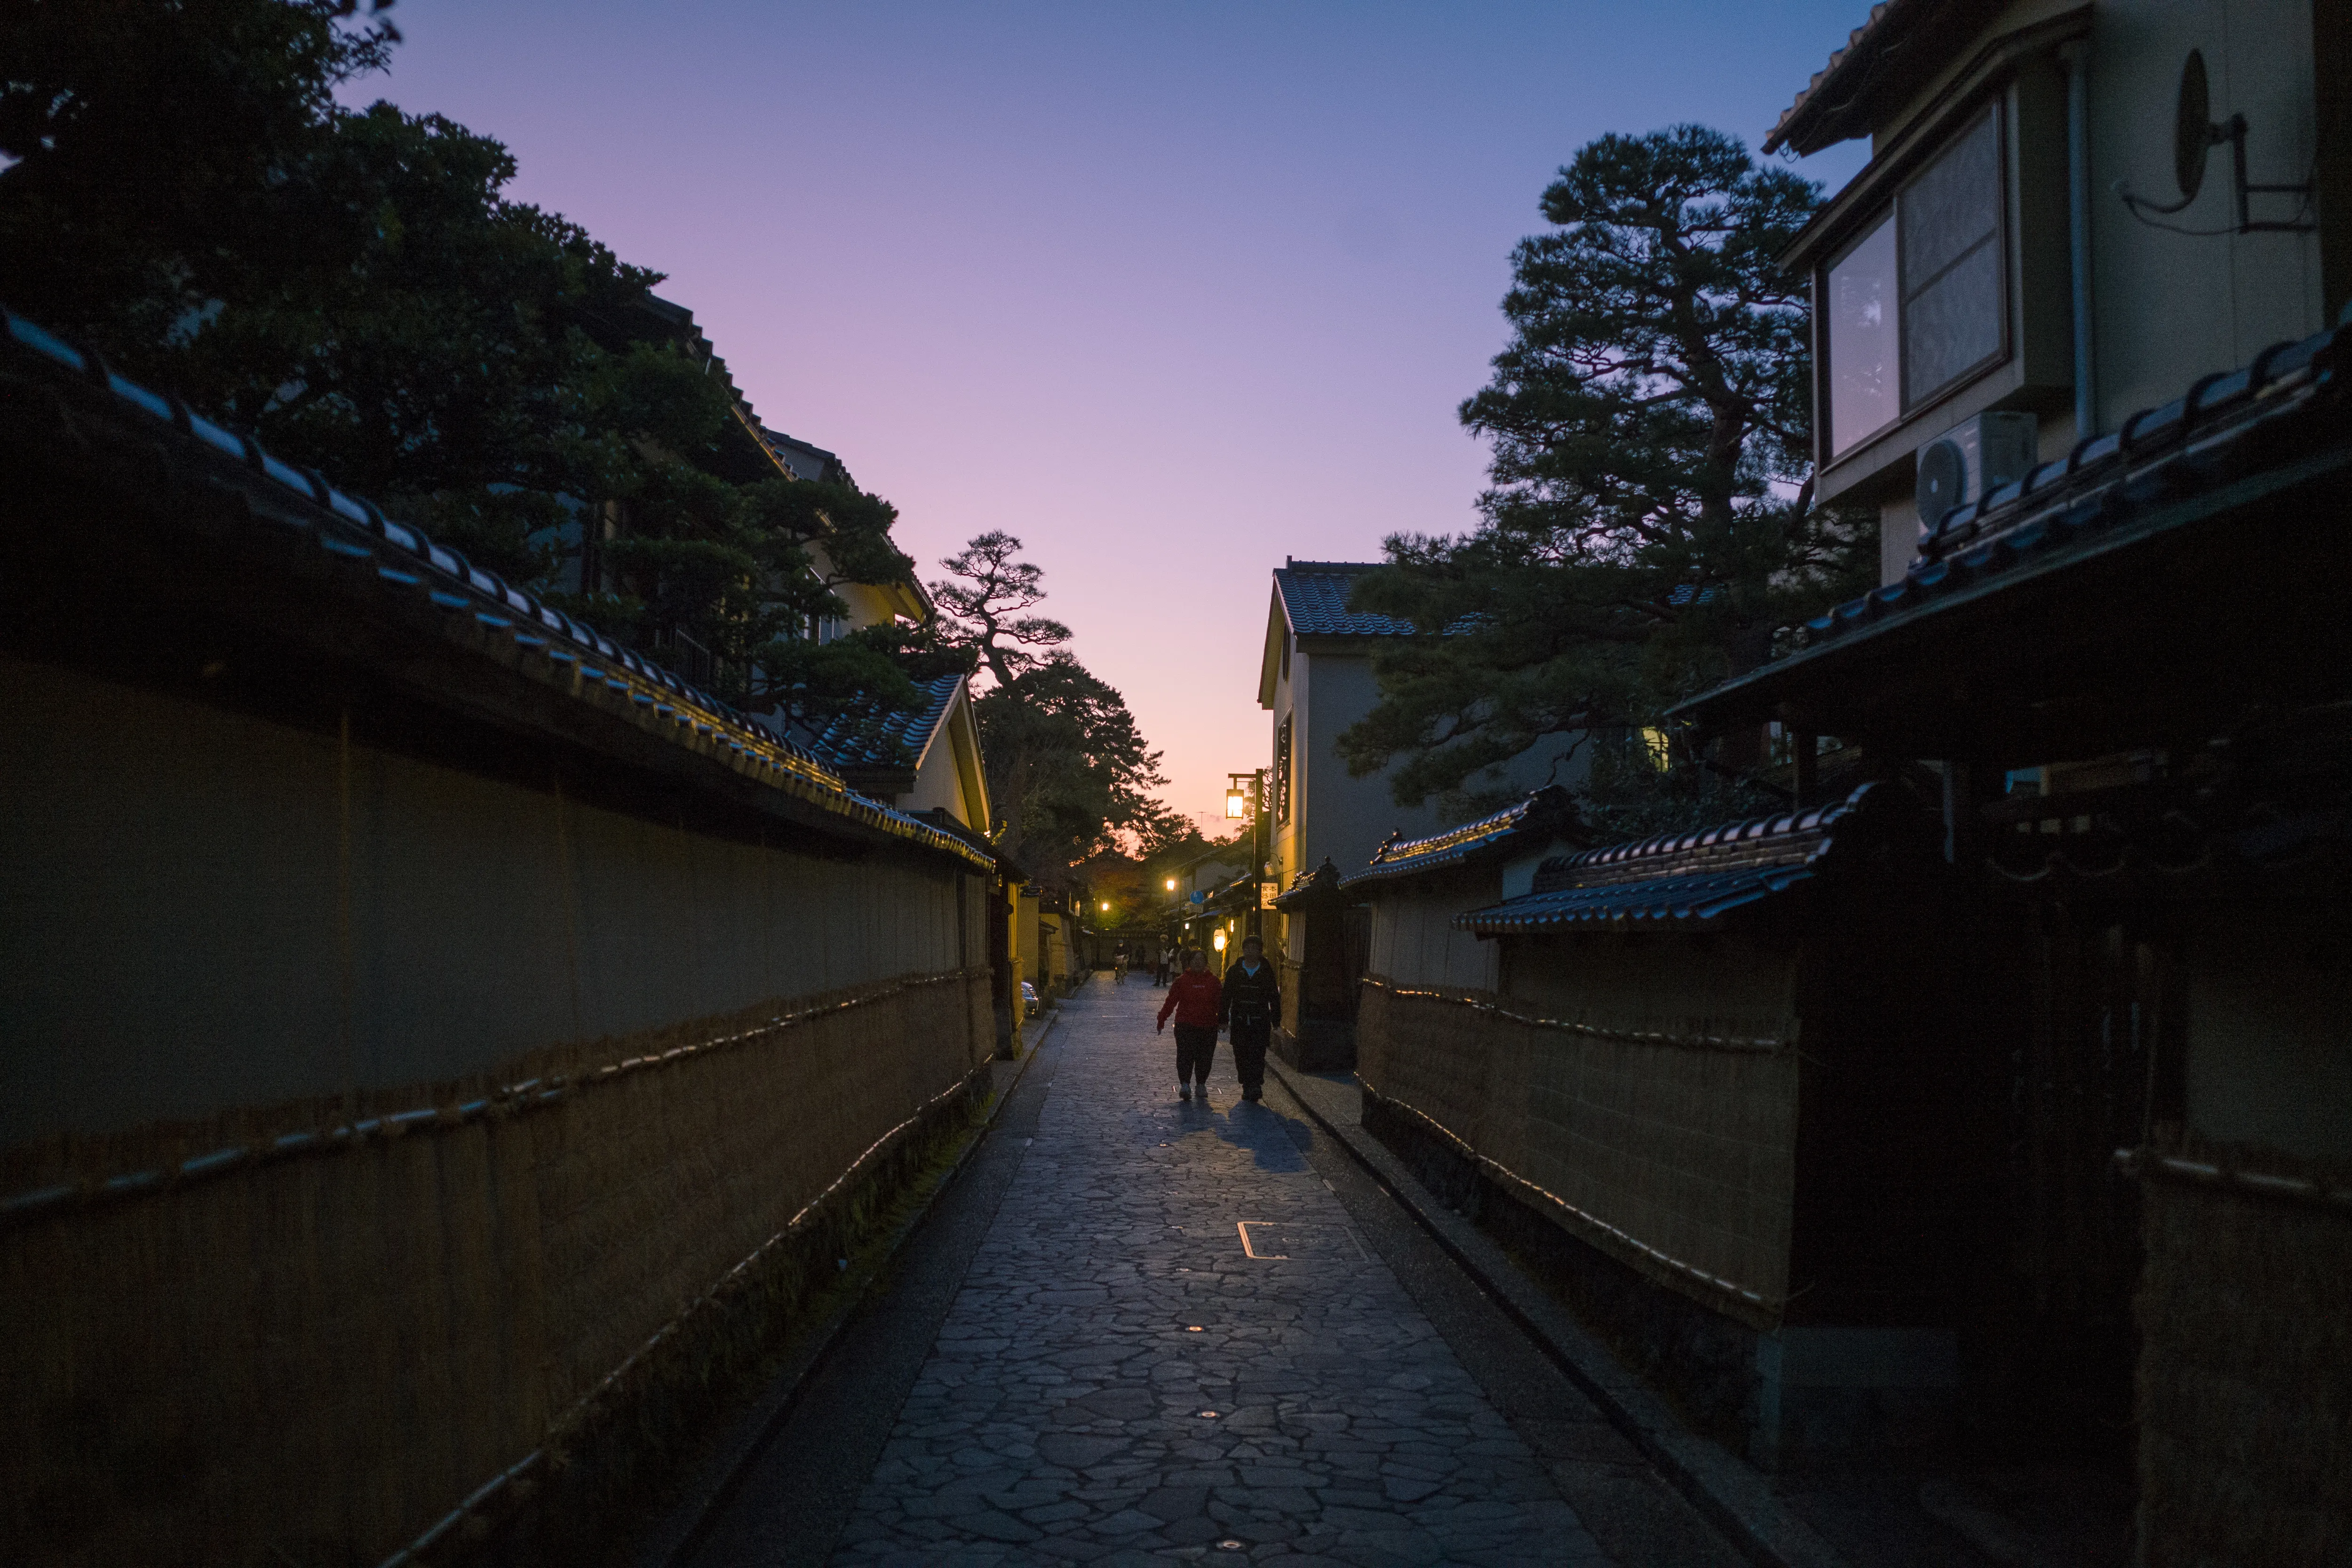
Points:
(1169, 1342)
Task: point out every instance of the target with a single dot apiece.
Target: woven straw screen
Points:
(311, 1359)
(2245, 1369)
(1671, 1153)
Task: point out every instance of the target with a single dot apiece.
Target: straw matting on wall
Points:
(1675, 1154)
(2245, 1370)
(311, 1359)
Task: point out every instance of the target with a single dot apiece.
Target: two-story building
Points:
(2074, 337)
(924, 761)
(2069, 212)
(1315, 679)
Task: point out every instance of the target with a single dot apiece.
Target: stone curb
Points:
(673, 1542)
(1731, 1493)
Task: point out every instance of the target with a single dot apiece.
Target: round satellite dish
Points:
(2192, 127)
(1943, 472)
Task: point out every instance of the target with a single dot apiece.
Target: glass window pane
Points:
(1953, 324)
(1951, 206)
(1860, 323)
(1952, 302)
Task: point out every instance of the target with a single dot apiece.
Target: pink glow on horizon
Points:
(1169, 294)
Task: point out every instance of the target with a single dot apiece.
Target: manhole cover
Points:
(1266, 1238)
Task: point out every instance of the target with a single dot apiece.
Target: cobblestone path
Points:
(1172, 1346)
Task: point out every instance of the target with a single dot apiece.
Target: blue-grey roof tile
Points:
(1548, 811)
(308, 501)
(2290, 405)
(1692, 876)
(1314, 597)
(870, 736)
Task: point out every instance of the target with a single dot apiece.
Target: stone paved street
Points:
(1119, 1380)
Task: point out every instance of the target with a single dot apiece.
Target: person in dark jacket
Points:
(1193, 1000)
(1250, 1006)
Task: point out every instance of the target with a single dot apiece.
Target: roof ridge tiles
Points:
(2218, 431)
(1698, 876)
(1549, 809)
(453, 585)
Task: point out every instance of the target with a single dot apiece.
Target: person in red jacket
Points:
(1193, 998)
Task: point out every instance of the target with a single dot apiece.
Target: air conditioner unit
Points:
(1972, 459)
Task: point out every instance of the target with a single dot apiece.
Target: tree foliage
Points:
(984, 603)
(1651, 524)
(188, 196)
(1068, 772)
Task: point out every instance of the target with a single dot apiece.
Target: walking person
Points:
(1193, 999)
(1250, 1005)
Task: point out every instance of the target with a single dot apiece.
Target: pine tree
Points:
(1651, 527)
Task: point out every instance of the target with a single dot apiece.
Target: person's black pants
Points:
(1249, 1054)
(1196, 1047)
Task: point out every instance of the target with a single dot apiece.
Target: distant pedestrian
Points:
(1250, 1006)
(1118, 966)
(1193, 999)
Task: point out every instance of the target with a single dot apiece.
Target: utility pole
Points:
(1257, 836)
(1257, 851)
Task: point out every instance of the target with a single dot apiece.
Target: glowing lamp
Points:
(1172, 884)
(1236, 803)
(1218, 941)
(1106, 906)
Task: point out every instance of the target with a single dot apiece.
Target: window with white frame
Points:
(1919, 303)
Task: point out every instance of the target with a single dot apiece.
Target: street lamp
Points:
(1236, 801)
(1106, 906)
(1172, 884)
(1218, 939)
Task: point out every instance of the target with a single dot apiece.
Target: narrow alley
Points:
(1143, 1330)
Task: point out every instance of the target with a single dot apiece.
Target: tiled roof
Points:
(874, 737)
(1314, 597)
(1859, 44)
(1549, 810)
(1688, 877)
(1237, 894)
(2285, 418)
(1310, 887)
(364, 551)
(1900, 45)
(805, 461)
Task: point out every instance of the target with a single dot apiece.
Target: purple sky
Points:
(1170, 292)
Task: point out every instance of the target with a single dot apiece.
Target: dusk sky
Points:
(1170, 292)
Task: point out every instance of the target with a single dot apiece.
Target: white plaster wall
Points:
(2169, 307)
(2269, 1063)
(1414, 942)
(944, 775)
